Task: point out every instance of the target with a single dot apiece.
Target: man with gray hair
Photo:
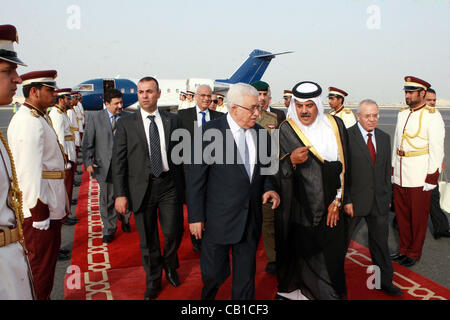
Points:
(194, 118)
(232, 220)
(369, 191)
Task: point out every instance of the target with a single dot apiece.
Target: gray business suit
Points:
(370, 192)
(97, 149)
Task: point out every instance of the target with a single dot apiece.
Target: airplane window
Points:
(178, 90)
(122, 90)
(131, 90)
(168, 90)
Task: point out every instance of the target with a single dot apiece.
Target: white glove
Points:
(42, 225)
(428, 187)
(68, 166)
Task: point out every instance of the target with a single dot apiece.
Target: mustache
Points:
(305, 115)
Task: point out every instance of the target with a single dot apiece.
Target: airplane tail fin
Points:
(253, 68)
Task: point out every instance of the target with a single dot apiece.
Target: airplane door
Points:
(108, 84)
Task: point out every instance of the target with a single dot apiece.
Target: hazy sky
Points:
(363, 47)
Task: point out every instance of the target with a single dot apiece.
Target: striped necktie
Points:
(155, 148)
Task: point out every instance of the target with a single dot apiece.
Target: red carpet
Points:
(114, 271)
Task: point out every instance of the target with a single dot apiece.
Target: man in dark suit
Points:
(270, 119)
(194, 118)
(146, 180)
(369, 189)
(232, 220)
(97, 154)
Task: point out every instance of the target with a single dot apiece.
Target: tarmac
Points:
(433, 265)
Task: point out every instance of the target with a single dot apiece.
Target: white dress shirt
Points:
(200, 116)
(162, 137)
(364, 133)
(236, 131)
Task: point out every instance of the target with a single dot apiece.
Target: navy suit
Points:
(230, 204)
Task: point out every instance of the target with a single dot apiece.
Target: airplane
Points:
(250, 71)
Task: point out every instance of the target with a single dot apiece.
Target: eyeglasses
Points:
(252, 109)
(370, 116)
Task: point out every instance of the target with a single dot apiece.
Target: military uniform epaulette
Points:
(35, 113)
(430, 109)
(347, 110)
(59, 110)
(404, 108)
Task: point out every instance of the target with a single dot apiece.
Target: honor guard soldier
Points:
(418, 151)
(221, 107)
(40, 164)
(270, 119)
(80, 114)
(287, 96)
(183, 95)
(190, 99)
(438, 217)
(15, 278)
(336, 100)
(73, 117)
(61, 125)
(74, 127)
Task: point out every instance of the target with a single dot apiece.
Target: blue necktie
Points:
(203, 117)
(155, 148)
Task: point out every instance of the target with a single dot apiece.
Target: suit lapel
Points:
(379, 147)
(140, 129)
(167, 127)
(361, 142)
(107, 124)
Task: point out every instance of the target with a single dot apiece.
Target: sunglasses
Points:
(215, 101)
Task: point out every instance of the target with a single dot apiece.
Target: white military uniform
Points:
(39, 162)
(72, 114)
(418, 148)
(80, 117)
(223, 108)
(61, 125)
(183, 105)
(346, 115)
(14, 271)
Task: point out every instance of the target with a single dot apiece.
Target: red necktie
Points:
(371, 147)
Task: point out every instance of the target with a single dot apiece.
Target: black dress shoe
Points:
(152, 291)
(391, 290)
(126, 227)
(74, 201)
(77, 184)
(279, 297)
(445, 234)
(172, 277)
(108, 238)
(271, 268)
(64, 251)
(63, 256)
(69, 222)
(197, 247)
(408, 262)
(397, 256)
